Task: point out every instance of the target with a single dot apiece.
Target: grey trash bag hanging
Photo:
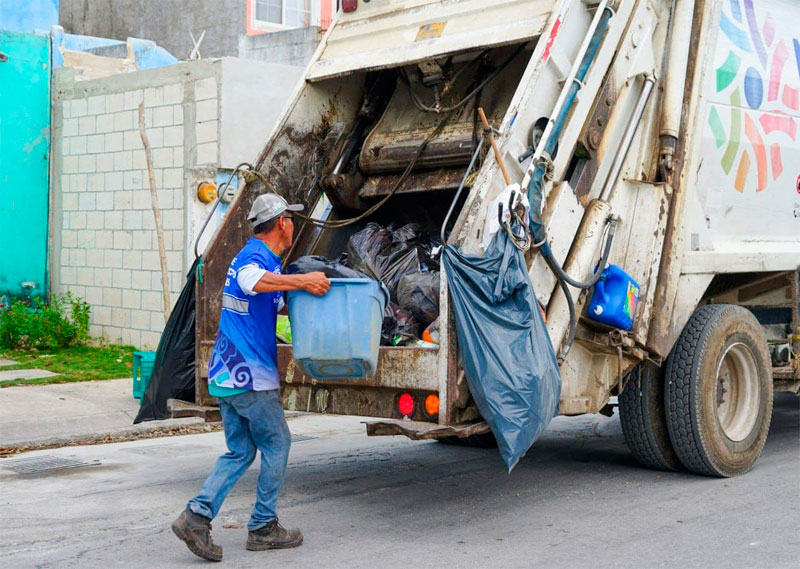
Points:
(506, 352)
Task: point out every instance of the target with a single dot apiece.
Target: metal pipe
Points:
(565, 91)
(461, 187)
(678, 60)
(627, 138)
(536, 180)
(349, 146)
(560, 273)
(674, 83)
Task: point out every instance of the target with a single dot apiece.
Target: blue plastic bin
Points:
(614, 299)
(338, 335)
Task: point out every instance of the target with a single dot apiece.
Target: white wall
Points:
(254, 94)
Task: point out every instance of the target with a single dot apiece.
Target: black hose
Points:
(564, 279)
(345, 222)
(551, 261)
(573, 323)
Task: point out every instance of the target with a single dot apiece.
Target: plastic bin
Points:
(142, 370)
(338, 335)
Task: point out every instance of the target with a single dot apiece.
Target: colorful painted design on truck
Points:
(753, 94)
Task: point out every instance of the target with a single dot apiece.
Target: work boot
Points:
(195, 530)
(273, 536)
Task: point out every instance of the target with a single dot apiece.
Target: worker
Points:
(243, 375)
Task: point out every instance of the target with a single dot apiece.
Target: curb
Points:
(149, 430)
(168, 427)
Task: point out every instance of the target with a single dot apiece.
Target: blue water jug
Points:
(614, 299)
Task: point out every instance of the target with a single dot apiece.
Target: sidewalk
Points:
(40, 415)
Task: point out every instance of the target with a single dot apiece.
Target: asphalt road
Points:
(577, 500)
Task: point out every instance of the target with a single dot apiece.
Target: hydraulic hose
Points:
(573, 323)
(564, 281)
(345, 222)
(561, 275)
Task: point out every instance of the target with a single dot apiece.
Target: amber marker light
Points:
(432, 405)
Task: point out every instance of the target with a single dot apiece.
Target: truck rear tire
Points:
(644, 419)
(719, 391)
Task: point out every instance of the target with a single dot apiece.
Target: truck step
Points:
(420, 430)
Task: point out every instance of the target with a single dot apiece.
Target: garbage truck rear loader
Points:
(660, 137)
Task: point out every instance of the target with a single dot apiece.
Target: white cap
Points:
(269, 206)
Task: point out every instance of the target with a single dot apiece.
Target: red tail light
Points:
(405, 404)
(349, 5)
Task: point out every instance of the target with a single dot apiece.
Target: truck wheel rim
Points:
(737, 391)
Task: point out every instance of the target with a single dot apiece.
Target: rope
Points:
(523, 243)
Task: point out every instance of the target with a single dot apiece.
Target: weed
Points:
(62, 323)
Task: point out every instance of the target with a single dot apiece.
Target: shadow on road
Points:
(578, 456)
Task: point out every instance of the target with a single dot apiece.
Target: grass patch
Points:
(76, 363)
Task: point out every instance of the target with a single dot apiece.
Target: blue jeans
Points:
(253, 421)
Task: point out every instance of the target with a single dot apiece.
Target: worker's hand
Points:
(316, 283)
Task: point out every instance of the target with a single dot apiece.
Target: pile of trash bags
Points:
(406, 260)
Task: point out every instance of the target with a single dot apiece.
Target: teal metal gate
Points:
(24, 162)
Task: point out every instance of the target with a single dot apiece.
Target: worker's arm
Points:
(254, 279)
(315, 283)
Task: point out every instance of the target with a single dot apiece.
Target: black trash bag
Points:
(434, 253)
(365, 249)
(398, 265)
(508, 359)
(399, 327)
(409, 235)
(332, 269)
(173, 371)
(386, 254)
(419, 294)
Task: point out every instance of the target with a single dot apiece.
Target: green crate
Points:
(142, 370)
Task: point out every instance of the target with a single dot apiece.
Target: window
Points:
(277, 14)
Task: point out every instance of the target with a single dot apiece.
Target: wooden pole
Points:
(162, 253)
(497, 156)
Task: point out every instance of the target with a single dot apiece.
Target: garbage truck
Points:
(655, 136)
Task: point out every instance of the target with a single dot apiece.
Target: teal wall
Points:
(24, 163)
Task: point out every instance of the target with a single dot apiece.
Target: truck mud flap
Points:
(420, 430)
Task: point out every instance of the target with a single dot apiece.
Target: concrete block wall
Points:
(202, 118)
(104, 245)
